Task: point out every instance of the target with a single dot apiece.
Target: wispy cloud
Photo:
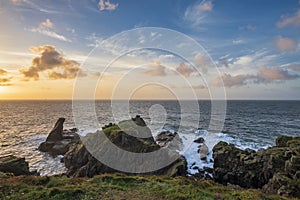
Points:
(205, 6)
(248, 27)
(46, 24)
(33, 5)
(107, 5)
(290, 21)
(286, 44)
(196, 13)
(52, 61)
(46, 28)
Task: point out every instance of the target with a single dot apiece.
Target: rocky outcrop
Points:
(59, 140)
(81, 163)
(169, 140)
(16, 166)
(275, 170)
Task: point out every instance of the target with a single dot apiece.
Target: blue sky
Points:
(253, 44)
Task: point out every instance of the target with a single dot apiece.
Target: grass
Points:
(116, 186)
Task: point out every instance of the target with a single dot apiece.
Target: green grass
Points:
(116, 186)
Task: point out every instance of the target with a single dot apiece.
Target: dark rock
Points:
(57, 131)
(208, 170)
(14, 165)
(199, 140)
(81, 163)
(59, 141)
(275, 170)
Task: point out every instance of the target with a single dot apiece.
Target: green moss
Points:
(117, 186)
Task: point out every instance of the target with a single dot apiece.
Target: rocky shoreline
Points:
(275, 170)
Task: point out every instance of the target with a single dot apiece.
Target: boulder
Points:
(275, 170)
(16, 166)
(199, 140)
(79, 161)
(203, 151)
(59, 141)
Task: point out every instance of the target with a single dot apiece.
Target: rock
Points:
(14, 165)
(169, 140)
(203, 151)
(208, 170)
(199, 140)
(59, 141)
(57, 131)
(80, 162)
(275, 170)
(281, 141)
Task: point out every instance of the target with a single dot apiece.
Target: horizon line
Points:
(233, 99)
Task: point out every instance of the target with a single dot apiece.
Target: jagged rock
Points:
(169, 140)
(81, 163)
(59, 141)
(203, 151)
(275, 170)
(14, 165)
(57, 131)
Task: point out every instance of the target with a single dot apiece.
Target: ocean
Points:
(248, 124)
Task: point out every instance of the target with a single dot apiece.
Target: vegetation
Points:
(117, 186)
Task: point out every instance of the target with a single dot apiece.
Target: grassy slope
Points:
(115, 186)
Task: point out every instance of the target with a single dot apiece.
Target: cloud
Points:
(106, 5)
(196, 13)
(264, 75)
(199, 87)
(238, 41)
(224, 61)
(155, 69)
(230, 81)
(185, 70)
(202, 62)
(4, 80)
(36, 6)
(3, 72)
(205, 6)
(52, 61)
(296, 68)
(286, 44)
(249, 27)
(268, 74)
(45, 28)
(46, 24)
(293, 21)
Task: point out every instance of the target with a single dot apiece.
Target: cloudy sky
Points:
(246, 49)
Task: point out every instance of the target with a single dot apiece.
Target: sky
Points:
(171, 49)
